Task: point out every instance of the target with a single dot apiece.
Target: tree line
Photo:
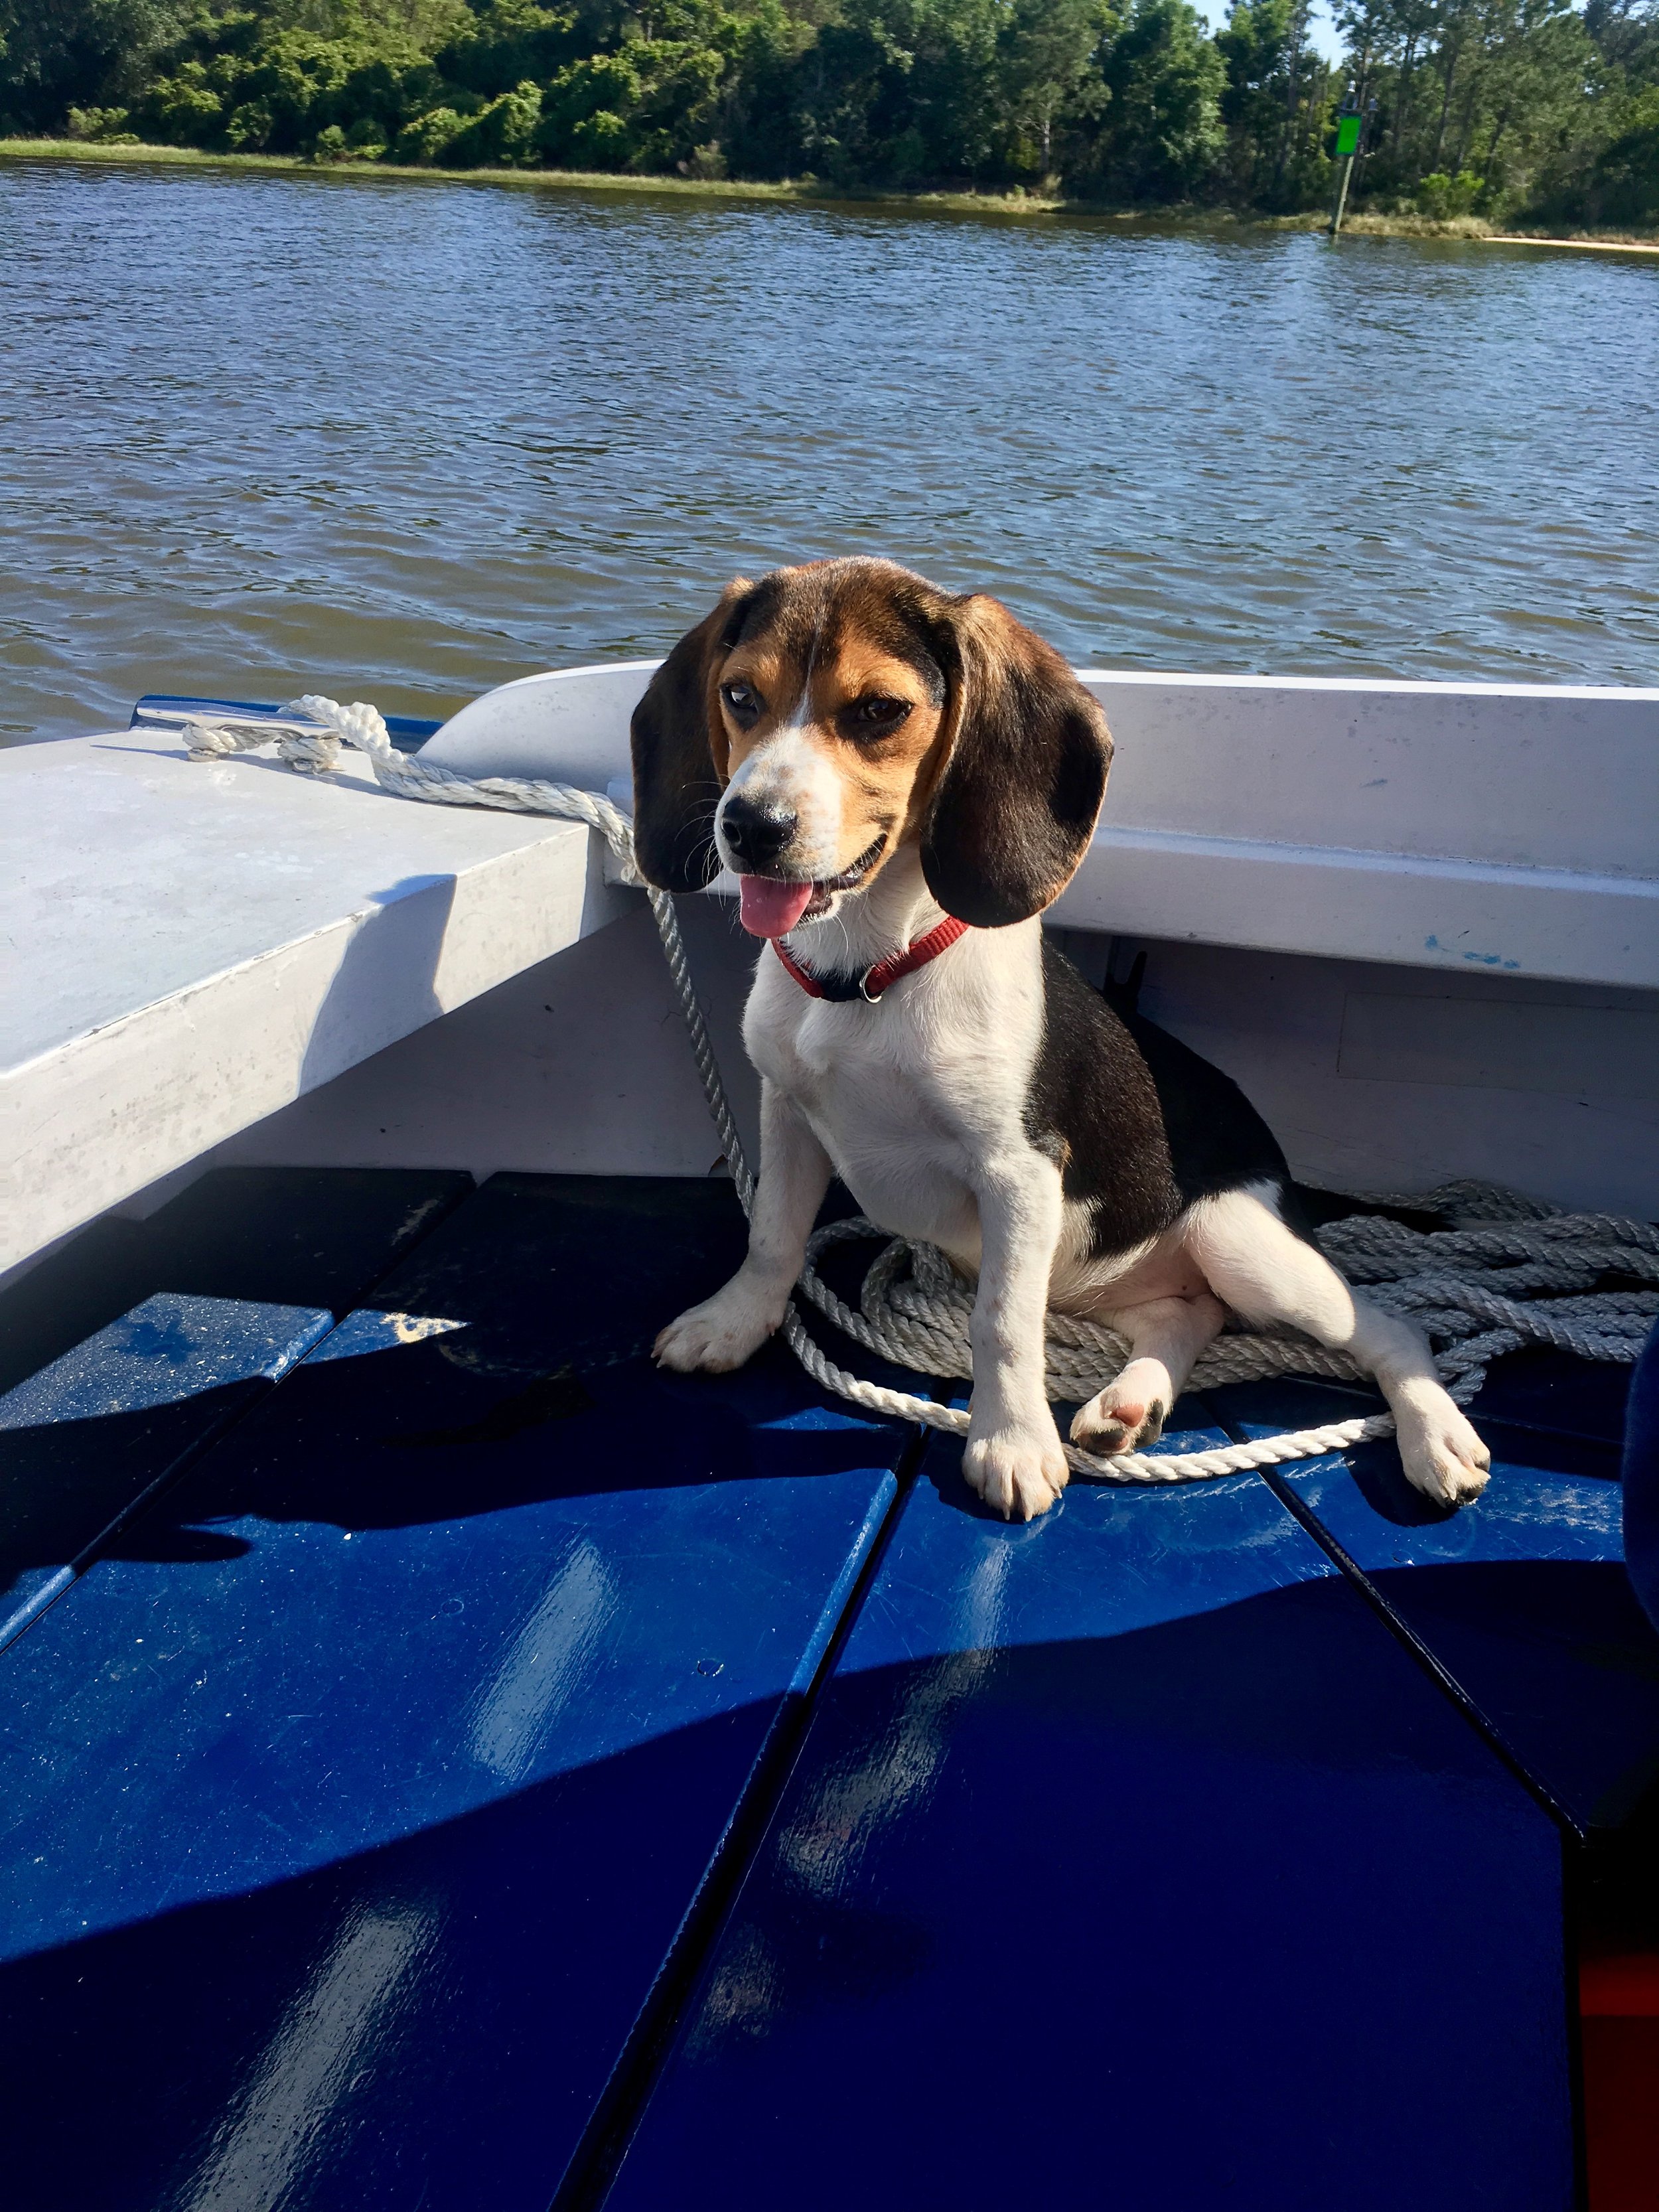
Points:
(1501, 108)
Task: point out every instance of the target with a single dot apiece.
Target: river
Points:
(398, 440)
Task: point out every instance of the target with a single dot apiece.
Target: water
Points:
(396, 441)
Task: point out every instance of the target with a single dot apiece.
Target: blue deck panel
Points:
(286, 1236)
(349, 1816)
(127, 1353)
(1543, 1408)
(1522, 1598)
(86, 1439)
(1129, 1861)
(1550, 1394)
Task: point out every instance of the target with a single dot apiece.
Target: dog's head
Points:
(821, 720)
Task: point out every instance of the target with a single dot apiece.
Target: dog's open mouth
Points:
(772, 905)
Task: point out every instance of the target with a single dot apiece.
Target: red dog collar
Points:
(875, 981)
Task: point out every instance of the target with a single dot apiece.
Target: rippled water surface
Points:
(401, 441)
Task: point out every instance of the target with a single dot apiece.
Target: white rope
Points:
(1473, 1289)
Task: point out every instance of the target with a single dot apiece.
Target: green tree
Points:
(902, 92)
(1607, 174)
(1623, 185)
(1625, 35)
(57, 54)
(1494, 105)
(664, 98)
(242, 83)
(1161, 137)
(1499, 90)
(1046, 76)
(503, 44)
(1276, 106)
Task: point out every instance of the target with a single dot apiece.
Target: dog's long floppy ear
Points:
(1022, 784)
(678, 745)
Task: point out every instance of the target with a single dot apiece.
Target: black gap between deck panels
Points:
(1519, 1604)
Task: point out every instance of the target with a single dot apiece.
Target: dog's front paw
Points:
(1443, 1456)
(721, 1333)
(1019, 1472)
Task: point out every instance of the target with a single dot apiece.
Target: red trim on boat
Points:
(1624, 1988)
(1619, 2046)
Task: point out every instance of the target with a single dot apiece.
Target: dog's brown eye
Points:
(742, 700)
(872, 717)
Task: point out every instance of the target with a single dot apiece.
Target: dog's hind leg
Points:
(1165, 1337)
(1268, 1274)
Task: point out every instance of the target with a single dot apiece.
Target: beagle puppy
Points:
(902, 781)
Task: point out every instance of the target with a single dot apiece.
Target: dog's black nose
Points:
(756, 834)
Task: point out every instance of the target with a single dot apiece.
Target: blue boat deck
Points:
(448, 1763)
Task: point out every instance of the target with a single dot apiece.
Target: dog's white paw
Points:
(720, 1335)
(1443, 1456)
(1019, 1472)
(1127, 1414)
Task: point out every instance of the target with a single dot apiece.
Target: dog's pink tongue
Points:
(770, 908)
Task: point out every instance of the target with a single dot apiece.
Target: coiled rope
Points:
(1512, 1272)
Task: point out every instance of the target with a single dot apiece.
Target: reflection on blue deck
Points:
(1128, 1862)
(375, 1767)
(361, 1618)
(1106, 1560)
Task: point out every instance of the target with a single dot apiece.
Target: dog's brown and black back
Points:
(1141, 1125)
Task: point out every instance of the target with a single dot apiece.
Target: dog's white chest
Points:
(906, 1096)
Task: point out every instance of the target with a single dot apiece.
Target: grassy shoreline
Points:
(813, 191)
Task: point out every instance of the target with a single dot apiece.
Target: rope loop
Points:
(1473, 1288)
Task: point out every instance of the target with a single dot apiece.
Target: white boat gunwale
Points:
(201, 946)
